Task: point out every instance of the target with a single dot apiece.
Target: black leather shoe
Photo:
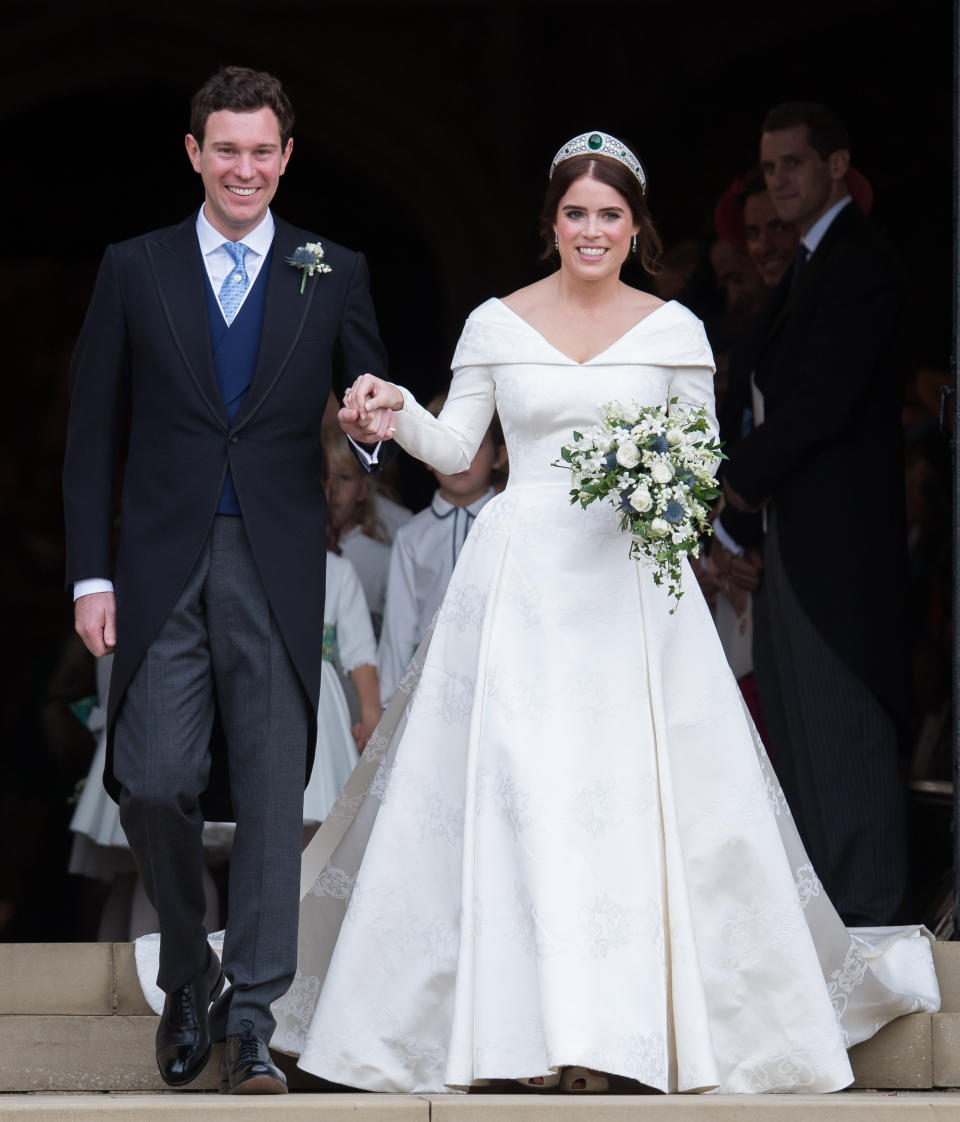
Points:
(246, 1067)
(183, 1036)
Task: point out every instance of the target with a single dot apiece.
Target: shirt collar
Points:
(257, 241)
(441, 508)
(812, 238)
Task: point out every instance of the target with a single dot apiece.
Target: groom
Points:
(215, 357)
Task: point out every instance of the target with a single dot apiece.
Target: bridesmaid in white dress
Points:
(348, 643)
(563, 849)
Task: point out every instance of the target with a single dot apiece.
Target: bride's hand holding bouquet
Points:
(656, 466)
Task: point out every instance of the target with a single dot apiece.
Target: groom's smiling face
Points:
(240, 161)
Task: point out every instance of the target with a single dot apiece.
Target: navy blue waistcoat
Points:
(235, 350)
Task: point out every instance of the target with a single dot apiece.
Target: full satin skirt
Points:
(565, 845)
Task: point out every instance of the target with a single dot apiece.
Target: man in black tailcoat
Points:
(217, 356)
(824, 462)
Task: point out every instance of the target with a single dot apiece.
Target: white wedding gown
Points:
(565, 844)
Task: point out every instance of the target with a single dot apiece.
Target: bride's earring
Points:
(633, 244)
(556, 244)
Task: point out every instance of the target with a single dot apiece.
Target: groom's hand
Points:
(379, 426)
(95, 621)
(368, 409)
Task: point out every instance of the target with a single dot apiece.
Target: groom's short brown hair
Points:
(241, 90)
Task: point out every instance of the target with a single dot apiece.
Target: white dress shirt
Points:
(218, 262)
(814, 236)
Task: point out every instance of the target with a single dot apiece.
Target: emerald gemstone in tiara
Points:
(600, 144)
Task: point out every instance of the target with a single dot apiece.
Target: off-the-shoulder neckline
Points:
(599, 354)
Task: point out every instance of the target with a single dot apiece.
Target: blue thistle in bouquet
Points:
(657, 467)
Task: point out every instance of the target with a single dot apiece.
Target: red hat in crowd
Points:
(728, 213)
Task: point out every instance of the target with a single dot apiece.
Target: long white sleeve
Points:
(449, 442)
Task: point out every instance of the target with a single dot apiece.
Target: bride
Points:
(564, 854)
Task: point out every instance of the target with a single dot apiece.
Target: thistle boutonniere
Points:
(309, 260)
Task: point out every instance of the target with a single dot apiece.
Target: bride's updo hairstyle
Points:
(621, 179)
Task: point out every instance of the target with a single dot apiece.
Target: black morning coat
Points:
(145, 352)
(829, 360)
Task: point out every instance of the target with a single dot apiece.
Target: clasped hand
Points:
(735, 576)
(369, 409)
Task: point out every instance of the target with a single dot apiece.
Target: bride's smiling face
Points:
(594, 227)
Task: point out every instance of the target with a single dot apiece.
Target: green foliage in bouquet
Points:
(657, 467)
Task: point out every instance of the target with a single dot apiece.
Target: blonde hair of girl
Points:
(340, 460)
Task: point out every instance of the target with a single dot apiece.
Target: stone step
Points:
(946, 959)
(70, 979)
(115, 1053)
(191, 1107)
(101, 978)
(188, 1107)
(73, 1018)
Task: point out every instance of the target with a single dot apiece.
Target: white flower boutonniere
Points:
(309, 260)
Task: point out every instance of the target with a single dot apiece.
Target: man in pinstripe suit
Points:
(828, 641)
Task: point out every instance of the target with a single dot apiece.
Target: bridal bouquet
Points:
(658, 471)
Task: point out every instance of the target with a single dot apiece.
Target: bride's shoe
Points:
(540, 1082)
(581, 1080)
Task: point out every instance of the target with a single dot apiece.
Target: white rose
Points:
(675, 436)
(660, 526)
(641, 501)
(662, 472)
(628, 455)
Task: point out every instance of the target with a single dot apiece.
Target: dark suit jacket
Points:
(830, 366)
(744, 528)
(145, 352)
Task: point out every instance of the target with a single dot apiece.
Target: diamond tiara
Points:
(600, 144)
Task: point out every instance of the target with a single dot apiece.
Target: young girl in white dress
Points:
(349, 647)
(353, 522)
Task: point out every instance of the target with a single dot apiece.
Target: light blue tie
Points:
(235, 286)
